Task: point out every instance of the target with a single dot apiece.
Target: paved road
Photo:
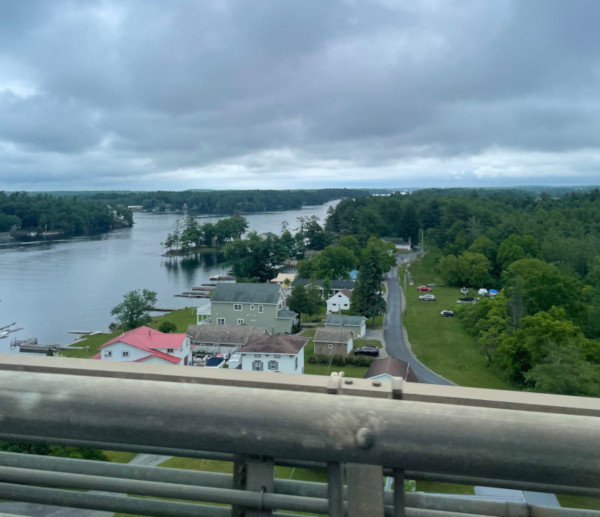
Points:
(393, 335)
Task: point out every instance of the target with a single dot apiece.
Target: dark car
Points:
(447, 314)
(367, 350)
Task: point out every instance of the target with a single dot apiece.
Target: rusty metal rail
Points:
(257, 420)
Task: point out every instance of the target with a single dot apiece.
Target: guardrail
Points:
(356, 428)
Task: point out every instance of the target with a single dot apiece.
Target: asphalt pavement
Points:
(393, 332)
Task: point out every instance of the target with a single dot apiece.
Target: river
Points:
(53, 287)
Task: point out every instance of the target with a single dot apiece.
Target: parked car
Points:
(447, 313)
(367, 350)
(427, 298)
(423, 288)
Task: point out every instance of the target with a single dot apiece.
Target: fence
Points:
(358, 429)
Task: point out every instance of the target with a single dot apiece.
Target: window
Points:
(220, 321)
(257, 366)
(170, 350)
(240, 321)
(277, 356)
(260, 308)
(237, 306)
(125, 353)
(108, 353)
(252, 307)
(273, 365)
(296, 368)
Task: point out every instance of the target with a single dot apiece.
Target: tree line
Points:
(542, 252)
(23, 213)
(226, 201)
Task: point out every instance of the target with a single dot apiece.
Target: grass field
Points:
(442, 343)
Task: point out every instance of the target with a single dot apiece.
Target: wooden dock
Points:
(164, 309)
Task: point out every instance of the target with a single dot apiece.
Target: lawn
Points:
(442, 343)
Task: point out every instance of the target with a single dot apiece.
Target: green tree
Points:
(298, 301)
(133, 310)
(564, 371)
(367, 299)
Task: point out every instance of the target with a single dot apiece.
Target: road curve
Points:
(393, 335)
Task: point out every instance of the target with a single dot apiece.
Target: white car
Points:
(427, 297)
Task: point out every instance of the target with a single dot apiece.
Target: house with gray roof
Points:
(355, 324)
(333, 341)
(254, 305)
(388, 368)
(220, 338)
(281, 353)
(336, 285)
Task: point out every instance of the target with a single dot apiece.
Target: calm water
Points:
(50, 288)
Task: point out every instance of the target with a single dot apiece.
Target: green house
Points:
(255, 305)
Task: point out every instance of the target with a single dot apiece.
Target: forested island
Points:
(25, 215)
(225, 201)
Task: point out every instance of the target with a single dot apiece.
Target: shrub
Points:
(167, 326)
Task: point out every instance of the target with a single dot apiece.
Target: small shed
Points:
(333, 341)
(355, 324)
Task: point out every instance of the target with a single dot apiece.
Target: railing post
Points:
(254, 474)
(365, 490)
(335, 488)
(399, 498)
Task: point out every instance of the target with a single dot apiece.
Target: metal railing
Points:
(357, 429)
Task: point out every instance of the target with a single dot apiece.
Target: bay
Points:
(49, 288)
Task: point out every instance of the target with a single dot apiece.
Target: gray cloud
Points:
(143, 94)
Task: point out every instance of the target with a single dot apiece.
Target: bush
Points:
(167, 326)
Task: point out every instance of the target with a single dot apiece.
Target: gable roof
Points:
(345, 292)
(281, 344)
(246, 293)
(335, 284)
(393, 367)
(223, 334)
(332, 335)
(150, 340)
(339, 320)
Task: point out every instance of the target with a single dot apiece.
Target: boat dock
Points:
(31, 346)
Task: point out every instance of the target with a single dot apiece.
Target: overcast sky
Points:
(155, 94)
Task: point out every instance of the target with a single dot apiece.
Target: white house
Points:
(339, 301)
(146, 345)
(282, 353)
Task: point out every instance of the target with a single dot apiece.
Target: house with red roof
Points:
(146, 345)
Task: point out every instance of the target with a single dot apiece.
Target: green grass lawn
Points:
(442, 343)
(119, 456)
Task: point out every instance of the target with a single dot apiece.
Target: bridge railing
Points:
(359, 430)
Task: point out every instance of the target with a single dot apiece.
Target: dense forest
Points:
(543, 252)
(226, 201)
(24, 214)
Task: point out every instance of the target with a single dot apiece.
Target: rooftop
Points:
(280, 344)
(224, 334)
(332, 335)
(247, 293)
(392, 367)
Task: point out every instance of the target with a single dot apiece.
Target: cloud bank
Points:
(144, 94)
